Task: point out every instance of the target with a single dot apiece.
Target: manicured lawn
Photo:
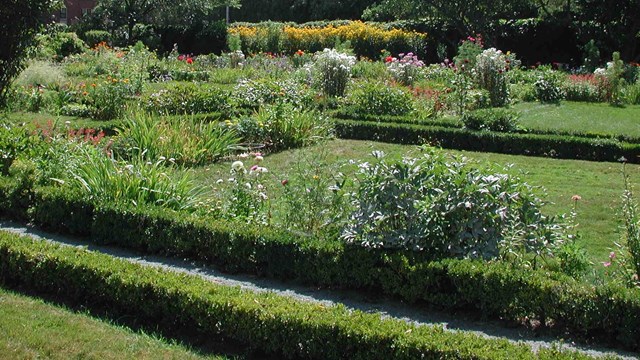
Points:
(599, 184)
(581, 117)
(31, 328)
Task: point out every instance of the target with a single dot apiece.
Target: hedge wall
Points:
(264, 321)
(558, 146)
(496, 290)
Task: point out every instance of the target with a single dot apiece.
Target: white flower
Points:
(259, 158)
(237, 166)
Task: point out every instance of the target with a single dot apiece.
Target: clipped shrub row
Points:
(558, 146)
(608, 313)
(264, 321)
(351, 114)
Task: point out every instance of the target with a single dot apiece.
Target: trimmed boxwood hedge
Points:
(606, 313)
(558, 146)
(263, 321)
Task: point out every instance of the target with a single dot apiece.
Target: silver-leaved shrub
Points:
(447, 207)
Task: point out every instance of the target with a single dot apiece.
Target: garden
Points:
(330, 155)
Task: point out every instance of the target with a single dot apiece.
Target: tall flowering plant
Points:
(490, 74)
(332, 71)
(405, 68)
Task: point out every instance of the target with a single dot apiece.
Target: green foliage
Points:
(444, 207)
(140, 183)
(95, 37)
(549, 88)
(19, 23)
(631, 226)
(562, 146)
(252, 94)
(494, 119)
(491, 74)
(332, 71)
(41, 73)
(183, 99)
(183, 140)
(375, 98)
(56, 45)
(283, 126)
(244, 317)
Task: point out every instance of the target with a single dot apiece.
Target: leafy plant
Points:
(183, 140)
(490, 74)
(495, 119)
(549, 87)
(332, 71)
(445, 208)
(376, 98)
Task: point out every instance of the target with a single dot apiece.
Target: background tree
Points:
(19, 23)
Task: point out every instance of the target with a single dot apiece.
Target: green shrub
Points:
(444, 207)
(375, 98)
(184, 99)
(283, 126)
(581, 88)
(266, 322)
(632, 94)
(252, 94)
(549, 87)
(332, 71)
(41, 73)
(564, 146)
(496, 119)
(95, 37)
(491, 75)
(77, 110)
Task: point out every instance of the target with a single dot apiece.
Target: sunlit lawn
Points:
(33, 329)
(599, 184)
(581, 117)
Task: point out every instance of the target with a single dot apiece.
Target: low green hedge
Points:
(264, 321)
(558, 146)
(452, 122)
(609, 313)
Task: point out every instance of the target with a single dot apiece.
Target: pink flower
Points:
(576, 197)
(254, 168)
(182, 57)
(612, 255)
(606, 264)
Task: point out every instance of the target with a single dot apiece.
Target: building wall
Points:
(75, 9)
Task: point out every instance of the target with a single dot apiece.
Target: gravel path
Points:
(386, 308)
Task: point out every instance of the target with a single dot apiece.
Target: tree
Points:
(468, 17)
(123, 15)
(19, 23)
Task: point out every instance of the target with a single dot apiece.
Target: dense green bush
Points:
(95, 37)
(494, 119)
(377, 98)
(252, 94)
(186, 99)
(549, 87)
(445, 207)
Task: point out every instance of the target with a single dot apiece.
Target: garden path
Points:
(352, 300)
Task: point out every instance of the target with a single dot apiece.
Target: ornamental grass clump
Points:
(444, 207)
(332, 71)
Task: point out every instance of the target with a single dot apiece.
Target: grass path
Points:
(31, 328)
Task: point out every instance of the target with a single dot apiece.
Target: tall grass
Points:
(137, 182)
(186, 140)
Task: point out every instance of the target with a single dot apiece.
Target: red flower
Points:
(299, 52)
(189, 61)
(284, 182)
(388, 59)
(182, 57)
